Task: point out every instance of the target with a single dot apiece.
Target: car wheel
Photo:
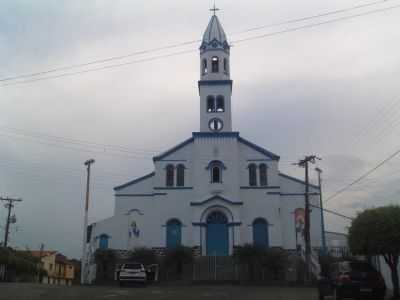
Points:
(121, 284)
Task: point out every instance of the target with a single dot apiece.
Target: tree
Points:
(250, 255)
(143, 255)
(104, 257)
(376, 232)
(178, 257)
(275, 259)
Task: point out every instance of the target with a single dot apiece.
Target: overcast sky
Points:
(330, 90)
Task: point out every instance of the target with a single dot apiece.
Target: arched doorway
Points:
(260, 233)
(217, 234)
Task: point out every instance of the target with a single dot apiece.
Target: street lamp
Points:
(88, 163)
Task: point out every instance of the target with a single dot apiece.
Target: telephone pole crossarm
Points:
(9, 205)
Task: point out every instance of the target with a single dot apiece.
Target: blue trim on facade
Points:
(260, 160)
(172, 150)
(258, 149)
(174, 160)
(259, 187)
(134, 181)
(140, 195)
(215, 198)
(215, 82)
(233, 134)
(138, 211)
(216, 163)
(297, 180)
(173, 188)
(292, 194)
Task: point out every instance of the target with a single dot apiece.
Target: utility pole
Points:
(324, 249)
(304, 163)
(88, 163)
(9, 205)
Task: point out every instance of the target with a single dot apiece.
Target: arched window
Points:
(210, 104)
(252, 175)
(216, 174)
(216, 168)
(263, 174)
(169, 170)
(215, 64)
(103, 241)
(220, 103)
(174, 233)
(260, 233)
(204, 67)
(226, 68)
(180, 175)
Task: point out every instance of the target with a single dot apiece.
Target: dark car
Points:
(352, 279)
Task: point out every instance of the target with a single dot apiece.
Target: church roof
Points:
(214, 37)
(134, 181)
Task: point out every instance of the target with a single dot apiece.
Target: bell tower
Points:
(215, 85)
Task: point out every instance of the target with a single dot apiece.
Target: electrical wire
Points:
(337, 193)
(171, 46)
(262, 36)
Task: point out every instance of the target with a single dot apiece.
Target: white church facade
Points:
(214, 191)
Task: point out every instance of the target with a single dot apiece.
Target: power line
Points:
(171, 46)
(98, 61)
(100, 68)
(334, 12)
(186, 51)
(333, 212)
(318, 24)
(75, 141)
(362, 176)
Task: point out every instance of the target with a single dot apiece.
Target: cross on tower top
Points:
(214, 9)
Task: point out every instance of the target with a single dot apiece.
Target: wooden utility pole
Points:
(304, 163)
(88, 163)
(9, 205)
(324, 249)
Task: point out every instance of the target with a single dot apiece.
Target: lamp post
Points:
(88, 163)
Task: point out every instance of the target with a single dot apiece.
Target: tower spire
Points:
(215, 85)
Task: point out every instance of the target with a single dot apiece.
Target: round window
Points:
(215, 124)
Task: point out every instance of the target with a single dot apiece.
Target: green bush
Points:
(177, 257)
(276, 260)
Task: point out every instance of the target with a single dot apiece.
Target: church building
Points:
(215, 190)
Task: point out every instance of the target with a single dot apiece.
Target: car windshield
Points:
(133, 266)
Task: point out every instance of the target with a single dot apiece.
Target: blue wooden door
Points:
(260, 233)
(174, 234)
(217, 234)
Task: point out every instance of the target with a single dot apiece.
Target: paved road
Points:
(20, 291)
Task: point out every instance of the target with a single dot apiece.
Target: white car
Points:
(132, 272)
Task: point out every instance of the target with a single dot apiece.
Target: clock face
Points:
(215, 124)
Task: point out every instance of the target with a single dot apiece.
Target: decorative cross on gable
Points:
(214, 9)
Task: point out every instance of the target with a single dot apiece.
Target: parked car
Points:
(352, 279)
(132, 272)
